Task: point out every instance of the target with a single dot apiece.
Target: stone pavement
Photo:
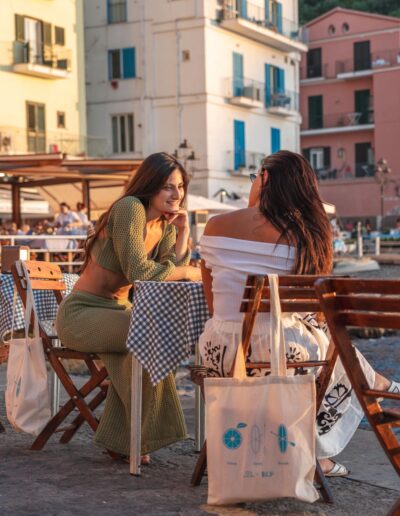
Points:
(78, 478)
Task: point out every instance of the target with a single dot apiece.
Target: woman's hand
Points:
(178, 219)
(193, 273)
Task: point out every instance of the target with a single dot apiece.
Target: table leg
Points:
(199, 410)
(55, 386)
(136, 418)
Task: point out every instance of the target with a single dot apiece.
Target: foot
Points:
(394, 387)
(145, 460)
(330, 468)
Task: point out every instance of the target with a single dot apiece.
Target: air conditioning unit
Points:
(252, 92)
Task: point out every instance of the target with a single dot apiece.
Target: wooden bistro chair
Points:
(48, 277)
(297, 294)
(365, 304)
(4, 349)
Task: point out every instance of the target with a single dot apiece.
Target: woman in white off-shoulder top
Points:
(284, 230)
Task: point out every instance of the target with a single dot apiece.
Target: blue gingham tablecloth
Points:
(167, 320)
(45, 302)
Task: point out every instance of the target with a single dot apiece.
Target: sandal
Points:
(145, 460)
(338, 470)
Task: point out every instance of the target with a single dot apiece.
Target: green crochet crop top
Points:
(123, 250)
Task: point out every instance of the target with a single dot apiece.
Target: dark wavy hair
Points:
(290, 200)
(147, 182)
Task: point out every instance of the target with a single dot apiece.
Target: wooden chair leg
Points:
(79, 420)
(52, 426)
(200, 467)
(324, 485)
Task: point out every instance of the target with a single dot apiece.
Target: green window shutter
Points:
(129, 63)
(268, 86)
(275, 140)
(327, 157)
(19, 28)
(361, 105)
(238, 82)
(315, 112)
(239, 144)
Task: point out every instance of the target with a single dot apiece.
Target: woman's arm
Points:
(207, 286)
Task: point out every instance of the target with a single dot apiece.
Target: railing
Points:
(245, 162)
(313, 72)
(248, 88)
(51, 247)
(283, 99)
(16, 140)
(256, 14)
(375, 61)
(350, 119)
(346, 172)
(50, 56)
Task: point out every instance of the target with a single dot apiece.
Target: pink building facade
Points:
(350, 106)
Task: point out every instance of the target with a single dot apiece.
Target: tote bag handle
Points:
(276, 337)
(30, 306)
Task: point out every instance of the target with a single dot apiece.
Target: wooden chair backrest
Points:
(364, 303)
(297, 294)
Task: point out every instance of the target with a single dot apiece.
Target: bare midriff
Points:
(102, 282)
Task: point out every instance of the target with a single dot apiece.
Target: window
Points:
(362, 56)
(315, 112)
(116, 11)
(274, 85)
(36, 127)
(314, 63)
(123, 139)
(239, 144)
(59, 36)
(364, 159)
(61, 119)
(345, 27)
(331, 29)
(122, 63)
(275, 140)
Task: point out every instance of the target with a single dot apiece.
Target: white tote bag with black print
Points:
(27, 393)
(261, 430)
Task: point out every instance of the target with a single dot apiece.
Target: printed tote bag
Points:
(261, 430)
(27, 393)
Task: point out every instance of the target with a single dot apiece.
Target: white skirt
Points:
(340, 413)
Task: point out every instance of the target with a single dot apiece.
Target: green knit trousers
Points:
(94, 324)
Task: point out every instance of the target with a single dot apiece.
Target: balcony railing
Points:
(285, 99)
(256, 14)
(48, 56)
(339, 120)
(246, 88)
(375, 61)
(16, 140)
(314, 72)
(245, 162)
(346, 172)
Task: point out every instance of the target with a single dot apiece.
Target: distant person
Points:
(368, 227)
(397, 225)
(81, 211)
(67, 221)
(349, 226)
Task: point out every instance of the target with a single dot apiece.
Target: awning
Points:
(199, 203)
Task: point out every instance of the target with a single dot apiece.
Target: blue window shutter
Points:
(279, 21)
(240, 145)
(268, 90)
(243, 8)
(237, 74)
(280, 80)
(108, 12)
(275, 140)
(266, 11)
(129, 63)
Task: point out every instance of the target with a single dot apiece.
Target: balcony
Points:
(47, 62)
(244, 92)
(251, 21)
(346, 172)
(249, 162)
(285, 103)
(316, 72)
(354, 68)
(17, 140)
(337, 123)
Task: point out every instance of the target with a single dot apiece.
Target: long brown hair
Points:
(290, 200)
(147, 182)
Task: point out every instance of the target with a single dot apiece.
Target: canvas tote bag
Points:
(27, 393)
(261, 430)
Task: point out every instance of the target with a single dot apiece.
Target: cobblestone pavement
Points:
(78, 478)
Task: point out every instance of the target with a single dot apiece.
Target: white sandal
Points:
(394, 387)
(338, 470)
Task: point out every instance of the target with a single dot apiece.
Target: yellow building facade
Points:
(42, 78)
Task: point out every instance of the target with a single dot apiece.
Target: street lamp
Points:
(381, 176)
(185, 153)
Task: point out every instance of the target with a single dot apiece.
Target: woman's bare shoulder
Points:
(229, 224)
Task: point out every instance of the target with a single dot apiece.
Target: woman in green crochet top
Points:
(143, 236)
